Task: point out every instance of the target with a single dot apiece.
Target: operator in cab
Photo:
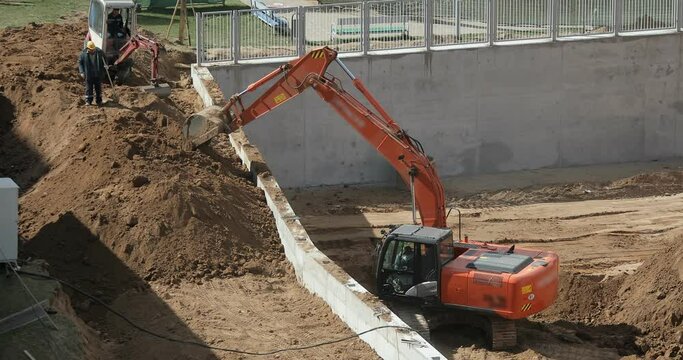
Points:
(404, 261)
(115, 25)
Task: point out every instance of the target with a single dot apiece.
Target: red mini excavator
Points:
(119, 44)
(430, 278)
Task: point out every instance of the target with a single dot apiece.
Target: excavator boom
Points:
(403, 152)
(136, 42)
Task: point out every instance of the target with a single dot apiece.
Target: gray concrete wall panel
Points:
(486, 110)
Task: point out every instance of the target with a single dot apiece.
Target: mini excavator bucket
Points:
(161, 90)
(201, 127)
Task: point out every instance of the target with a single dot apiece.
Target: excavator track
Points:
(413, 316)
(503, 333)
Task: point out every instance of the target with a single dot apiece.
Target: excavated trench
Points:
(116, 207)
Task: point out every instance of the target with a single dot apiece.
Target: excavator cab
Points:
(409, 262)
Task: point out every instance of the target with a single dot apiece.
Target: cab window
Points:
(96, 18)
(387, 262)
(404, 257)
(446, 252)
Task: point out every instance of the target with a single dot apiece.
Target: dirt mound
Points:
(665, 182)
(118, 175)
(583, 298)
(649, 301)
(652, 299)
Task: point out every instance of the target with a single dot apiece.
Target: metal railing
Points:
(585, 17)
(460, 22)
(338, 26)
(522, 19)
(378, 26)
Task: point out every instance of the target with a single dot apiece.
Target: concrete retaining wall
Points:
(347, 298)
(487, 110)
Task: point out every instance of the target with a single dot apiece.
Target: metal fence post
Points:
(301, 30)
(456, 11)
(680, 15)
(428, 8)
(236, 36)
(366, 27)
(554, 19)
(199, 36)
(618, 16)
(493, 21)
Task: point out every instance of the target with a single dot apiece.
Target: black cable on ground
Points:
(199, 344)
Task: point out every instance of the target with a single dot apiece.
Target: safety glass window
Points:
(405, 256)
(446, 251)
(387, 263)
(96, 17)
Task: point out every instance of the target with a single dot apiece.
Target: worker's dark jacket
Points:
(92, 67)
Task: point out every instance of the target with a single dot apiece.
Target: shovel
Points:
(114, 97)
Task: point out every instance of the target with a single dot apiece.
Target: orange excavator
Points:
(429, 278)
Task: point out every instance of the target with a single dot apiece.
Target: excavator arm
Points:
(136, 42)
(139, 41)
(403, 152)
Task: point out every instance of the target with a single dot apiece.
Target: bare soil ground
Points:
(180, 241)
(620, 243)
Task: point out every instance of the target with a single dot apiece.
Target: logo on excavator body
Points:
(318, 54)
(280, 98)
(527, 289)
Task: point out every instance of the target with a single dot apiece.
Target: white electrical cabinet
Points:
(9, 219)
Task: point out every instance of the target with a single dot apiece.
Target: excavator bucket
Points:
(201, 127)
(161, 90)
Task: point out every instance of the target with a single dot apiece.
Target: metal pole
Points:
(412, 196)
(301, 30)
(679, 13)
(456, 10)
(554, 18)
(428, 8)
(459, 224)
(366, 27)
(198, 35)
(236, 36)
(618, 16)
(493, 21)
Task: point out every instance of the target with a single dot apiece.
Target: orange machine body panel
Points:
(511, 295)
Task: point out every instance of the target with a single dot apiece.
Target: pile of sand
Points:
(118, 175)
(652, 300)
(645, 307)
(657, 183)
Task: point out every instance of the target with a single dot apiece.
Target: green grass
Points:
(157, 20)
(38, 11)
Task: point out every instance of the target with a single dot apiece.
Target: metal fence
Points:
(585, 17)
(378, 26)
(338, 26)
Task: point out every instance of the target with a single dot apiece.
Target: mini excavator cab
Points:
(410, 259)
(107, 34)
